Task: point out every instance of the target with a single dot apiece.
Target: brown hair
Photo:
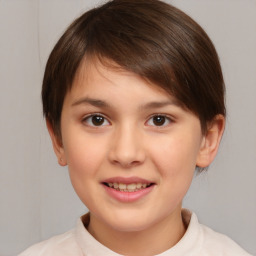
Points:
(148, 37)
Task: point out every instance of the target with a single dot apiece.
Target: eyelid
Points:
(86, 117)
(167, 116)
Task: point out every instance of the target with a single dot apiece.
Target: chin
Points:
(130, 227)
(131, 222)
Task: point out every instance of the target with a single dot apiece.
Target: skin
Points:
(129, 144)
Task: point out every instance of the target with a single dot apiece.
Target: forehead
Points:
(101, 73)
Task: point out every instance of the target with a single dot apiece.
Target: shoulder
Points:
(202, 240)
(61, 245)
(215, 243)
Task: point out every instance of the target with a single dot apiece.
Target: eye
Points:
(159, 120)
(96, 120)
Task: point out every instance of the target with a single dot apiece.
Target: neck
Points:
(161, 236)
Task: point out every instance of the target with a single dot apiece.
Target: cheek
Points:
(176, 166)
(84, 159)
(175, 156)
(175, 160)
(84, 155)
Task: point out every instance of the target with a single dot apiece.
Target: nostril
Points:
(125, 163)
(126, 149)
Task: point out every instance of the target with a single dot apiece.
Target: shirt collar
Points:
(189, 244)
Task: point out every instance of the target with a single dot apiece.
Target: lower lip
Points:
(127, 197)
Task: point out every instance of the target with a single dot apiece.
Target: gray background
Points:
(36, 197)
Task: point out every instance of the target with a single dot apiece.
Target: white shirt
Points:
(198, 240)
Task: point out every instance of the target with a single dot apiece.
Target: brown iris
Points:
(98, 120)
(159, 120)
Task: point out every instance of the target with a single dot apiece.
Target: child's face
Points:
(116, 128)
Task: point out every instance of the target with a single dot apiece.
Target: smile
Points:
(128, 189)
(133, 187)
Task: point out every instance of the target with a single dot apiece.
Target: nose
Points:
(127, 148)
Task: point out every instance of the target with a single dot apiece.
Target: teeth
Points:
(131, 186)
(122, 186)
(138, 185)
(127, 187)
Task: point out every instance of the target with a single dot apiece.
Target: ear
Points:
(211, 141)
(57, 145)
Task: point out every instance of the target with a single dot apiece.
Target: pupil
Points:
(159, 120)
(97, 120)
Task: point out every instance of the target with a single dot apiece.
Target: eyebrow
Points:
(160, 104)
(91, 101)
(103, 104)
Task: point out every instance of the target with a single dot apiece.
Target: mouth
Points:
(129, 187)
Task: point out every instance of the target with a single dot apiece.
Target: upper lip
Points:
(127, 180)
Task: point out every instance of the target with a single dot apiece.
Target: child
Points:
(133, 96)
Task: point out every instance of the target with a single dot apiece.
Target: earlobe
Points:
(57, 145)
(211, 141)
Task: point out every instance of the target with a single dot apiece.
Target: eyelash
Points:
(166, 118)
(86, 118)
(104, 119)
